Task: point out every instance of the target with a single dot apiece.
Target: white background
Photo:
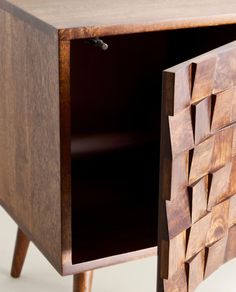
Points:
(137, 276)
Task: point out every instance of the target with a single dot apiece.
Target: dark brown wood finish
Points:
(79, 133)
(21, 248)
(207, 240)
(65, 107)
(84, 19)
(29, 133)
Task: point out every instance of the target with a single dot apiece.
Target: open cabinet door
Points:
(197, 206)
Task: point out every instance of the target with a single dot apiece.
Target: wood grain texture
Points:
(178, 182)
(178, 214)
(109, 261)
(211, 186)
(21, 248)
(178, 282)
(225, 70)
(199, 199)
(65, 106)
(29, 133)
(234, 142)
(181, 141)
(181, 89)
(219, 223)
(174, 252)
(35, 143)
(202, 127)
(196, 269)
(232, 186)
(203, 78)
(202, 158)
(231, 244)
(225, 109)
(197, 236)
(219, 189)
(232, 211)
(222, 152)
(215, 256)
(83, 282)
(77, 19)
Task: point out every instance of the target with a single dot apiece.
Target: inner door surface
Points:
(197, 208)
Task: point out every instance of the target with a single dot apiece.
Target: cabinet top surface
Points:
(118, 16)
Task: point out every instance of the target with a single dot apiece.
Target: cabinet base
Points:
(82, 282)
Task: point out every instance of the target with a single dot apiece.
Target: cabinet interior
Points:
(115, 135)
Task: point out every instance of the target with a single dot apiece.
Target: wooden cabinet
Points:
(105, 154)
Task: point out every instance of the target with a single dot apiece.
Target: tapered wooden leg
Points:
(21, 247)
(83, 282)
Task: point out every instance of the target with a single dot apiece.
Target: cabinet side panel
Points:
(30, 133)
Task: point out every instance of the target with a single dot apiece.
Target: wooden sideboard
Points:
(103, 149)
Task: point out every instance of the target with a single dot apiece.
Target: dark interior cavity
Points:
(115, 135)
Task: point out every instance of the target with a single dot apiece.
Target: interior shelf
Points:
(99, 143)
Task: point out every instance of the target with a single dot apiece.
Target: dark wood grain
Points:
(49, 80)
(202, 113)
(29, 133)
(219, 222)
(225, 109)
(49, 123)
(197, 236)
(203, 77)
(65, 170)
(211, 184)
(173, 252)
(219, 189)
(21, 248)
(199, 198)
(79, 19)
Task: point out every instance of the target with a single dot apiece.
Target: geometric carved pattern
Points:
(197, 207)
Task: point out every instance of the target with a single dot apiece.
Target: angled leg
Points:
(21, 247)
(83, 282)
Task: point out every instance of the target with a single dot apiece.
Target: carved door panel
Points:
(197, 207)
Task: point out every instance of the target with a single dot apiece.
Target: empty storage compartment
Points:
(115, 135)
